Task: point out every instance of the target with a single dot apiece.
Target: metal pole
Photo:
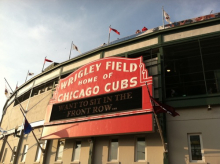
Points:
(26, 76)
(15, 97)
(203, 70)
(25, 117)
(157, 121)
(38, 142)
(9, 146)
(33, 132)
(16, 86)
(109, 34)
(163, 16)
(70, 49)
(44, 64)
(8, 84)
(91, 151)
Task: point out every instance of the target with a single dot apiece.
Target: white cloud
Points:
(39, 32)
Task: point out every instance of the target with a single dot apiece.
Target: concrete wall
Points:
(37, 105)
(131, 47)
(194, 120)
(13, 141)
(191, 33)
(32, 147)
(38, 109)
(126, 151)
(13, 116)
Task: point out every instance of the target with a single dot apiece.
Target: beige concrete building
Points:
(183, 63)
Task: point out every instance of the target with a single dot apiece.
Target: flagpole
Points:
(15, 96)
(24, 115)
(71, 49)
(16, 85)
(109, 34)
(44, 64)
(157, 121)
(32, 132)
(163, 16)
(8, 84)
(26, 76)
(9, 145)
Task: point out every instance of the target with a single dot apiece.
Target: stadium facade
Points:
(95, 108)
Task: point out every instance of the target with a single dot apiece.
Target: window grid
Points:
(60, 149)
(195, 147)
(113, 150)
(76, 151)
(191, 68)
(140, 149)
(24, 153)
(12, 156)
(38, 154)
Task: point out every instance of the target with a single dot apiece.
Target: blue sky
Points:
(33, 29)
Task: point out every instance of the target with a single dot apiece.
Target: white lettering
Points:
(74, 94)
(115, 85)
(96, 90)
(82, 94)
(133, 67)
(91, 69)
(63, 85)
(88, 91)
(124, 83)
(66, 96)
(118, 66)
(70, 81)
(133, 81)
(106, 89)
(60, 97)
(108, 64)
(98, 66)
(124, 67)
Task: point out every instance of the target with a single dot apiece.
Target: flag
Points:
(163, 108)
(27, 127)
(167, 17)
(144, 29)
(75, 47)
(16, 86)
(30, 74)
(47, 60)
(114, 30)
(7, 94)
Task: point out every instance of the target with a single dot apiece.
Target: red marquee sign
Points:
(102, 77)
(94, 91)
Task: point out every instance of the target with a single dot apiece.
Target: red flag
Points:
(163, 108)
(47, 60)
(30, 74)
(144, 29)
(7, 94)
(116, 31)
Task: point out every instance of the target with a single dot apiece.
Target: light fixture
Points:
(90, 140)
(168, 70)
(61, 143)
(16, 131)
